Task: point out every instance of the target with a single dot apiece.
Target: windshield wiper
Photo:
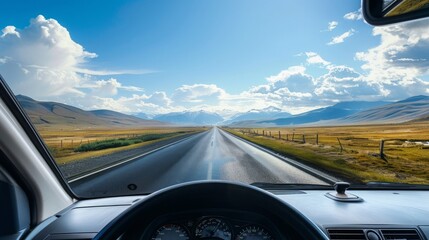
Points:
(282, 186)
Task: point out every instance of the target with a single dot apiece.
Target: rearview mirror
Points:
(382, 12)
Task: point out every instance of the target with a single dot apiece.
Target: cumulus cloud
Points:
(43, 61)
(285, 74)
(342, 37)
(40, 59)
(198, 93)
(332, 25)
(400, 59)
(158, 102)
(392, 70)
(342, 83)
(356, 15)
(401, 54)
(11, 31)
(109, 87)
(289, 89)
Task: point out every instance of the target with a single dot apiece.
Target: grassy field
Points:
(68, 144)
(405, 156)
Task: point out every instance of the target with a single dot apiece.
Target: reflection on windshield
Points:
(147, 94)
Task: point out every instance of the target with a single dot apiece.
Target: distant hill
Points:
(422, 119)
(142, 115)
(413, 108)
(259, 114)
(53, 113)
(336, 111)
(190, 118)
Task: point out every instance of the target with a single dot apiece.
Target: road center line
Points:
(210, 170)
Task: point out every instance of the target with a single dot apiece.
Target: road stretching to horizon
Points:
(210, 155)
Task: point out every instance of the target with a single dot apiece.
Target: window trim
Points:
(21, 116)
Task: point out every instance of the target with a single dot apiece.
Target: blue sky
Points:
(224, 56)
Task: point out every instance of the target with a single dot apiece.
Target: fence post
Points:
(270, 133)
(293, 137)
(341, 146)
(317, 138)
(280, 136)
(61, 143)
(382, 156)
(287, 137)
(303, 138)
(263, 132)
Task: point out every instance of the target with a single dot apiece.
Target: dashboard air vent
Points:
(346, 234)
(402, 234)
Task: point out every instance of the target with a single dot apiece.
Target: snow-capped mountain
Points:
(190, 118)
(259, 114)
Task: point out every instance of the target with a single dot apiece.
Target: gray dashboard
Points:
(380, 210)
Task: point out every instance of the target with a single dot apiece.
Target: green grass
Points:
(121, 142)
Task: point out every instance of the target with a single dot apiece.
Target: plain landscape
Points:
(353, 152)
(357, 141)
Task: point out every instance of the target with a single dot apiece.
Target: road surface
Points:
(213, 154)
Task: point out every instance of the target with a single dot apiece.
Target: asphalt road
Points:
(213, 154)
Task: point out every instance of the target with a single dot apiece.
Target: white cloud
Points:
(197, 93)
(109, 87)
(400, 59)
(294, 70)
(289, 90)
(44, 62)
(342, 37)
(343, 83)
(332, 25)
(314, 58)
(41, 58)
(356, 15)
(159, 99)
(10, 30)
(391, 71)
(110, 72)
(402, 46)
(157, 102)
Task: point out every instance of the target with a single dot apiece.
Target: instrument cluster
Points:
(212, 227)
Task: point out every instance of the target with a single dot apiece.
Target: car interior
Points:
(38, 203)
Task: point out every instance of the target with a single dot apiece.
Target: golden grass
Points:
(360, 160)
(62, 141)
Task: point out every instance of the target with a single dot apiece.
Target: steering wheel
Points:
(211, 194)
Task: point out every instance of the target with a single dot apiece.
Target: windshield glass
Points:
(133, 96)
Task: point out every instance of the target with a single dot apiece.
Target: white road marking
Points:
(210, 171)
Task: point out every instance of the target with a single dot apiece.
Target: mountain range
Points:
(53, 113)
(356, 112)
(413, 108)
(336, 111)
(344, 113)
(259, 114)
(190, 118)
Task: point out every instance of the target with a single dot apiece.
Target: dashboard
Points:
(382, 215)
(212, 224)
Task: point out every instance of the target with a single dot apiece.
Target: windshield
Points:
(133, 96)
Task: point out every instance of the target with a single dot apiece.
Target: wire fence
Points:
(376, 147)
(73, 142)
